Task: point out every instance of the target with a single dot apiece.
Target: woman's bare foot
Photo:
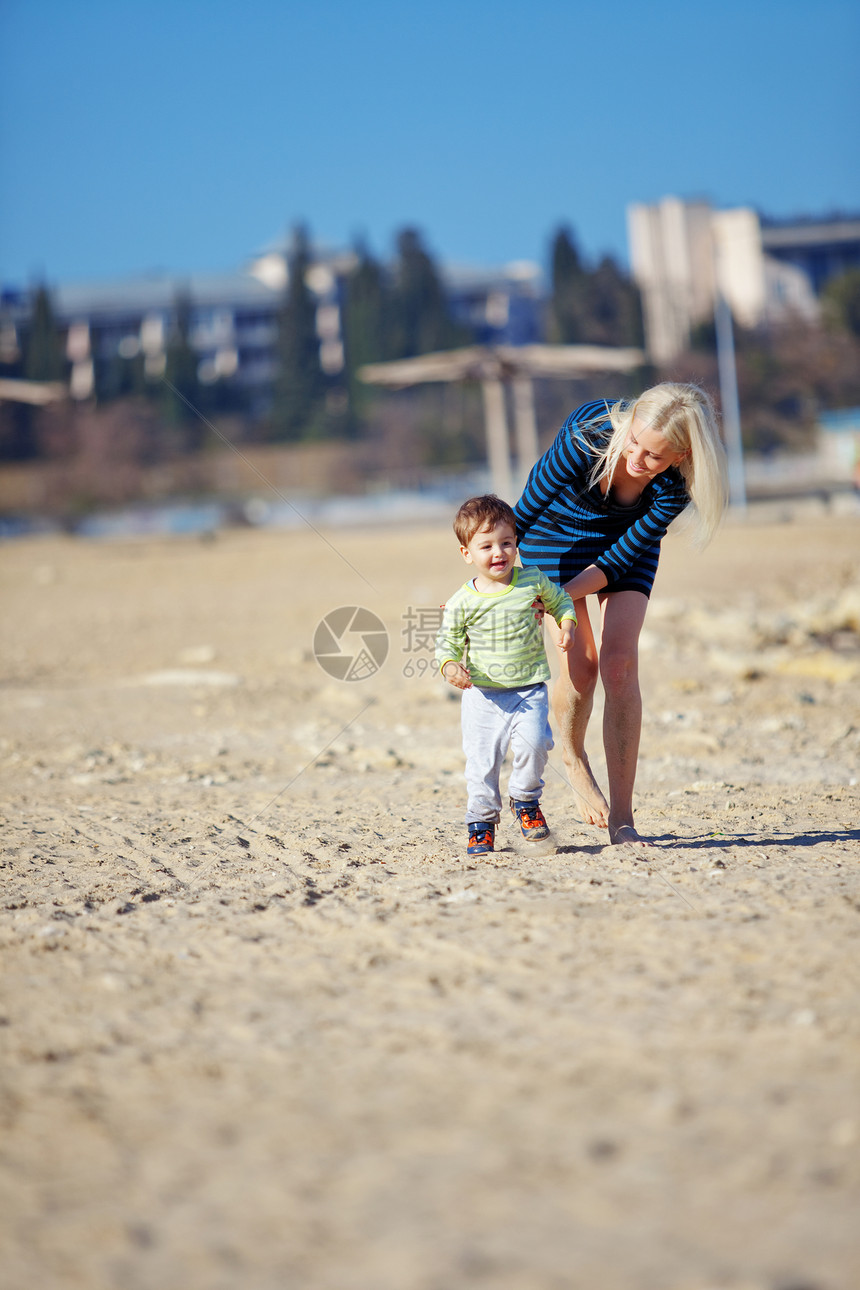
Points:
(592, 805)
(626, 835)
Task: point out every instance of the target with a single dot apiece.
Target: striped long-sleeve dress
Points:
(564, 525)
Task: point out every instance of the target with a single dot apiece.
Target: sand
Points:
(264, 1025)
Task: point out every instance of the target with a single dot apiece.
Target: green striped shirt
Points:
(495, 635)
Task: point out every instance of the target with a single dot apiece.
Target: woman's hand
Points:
(457, 675)
(540, 609)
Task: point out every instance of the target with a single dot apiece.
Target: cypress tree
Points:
(420, 321)
(598, 306)
(299, 404)
(366, 318)
(181, 371)
(614, 308)
(568, 307)
(43, 355)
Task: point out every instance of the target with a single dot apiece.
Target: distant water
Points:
(395, 507)
(190, 518)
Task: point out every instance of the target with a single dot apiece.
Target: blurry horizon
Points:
(186, 138)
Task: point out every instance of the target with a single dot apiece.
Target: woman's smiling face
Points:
(647, 453)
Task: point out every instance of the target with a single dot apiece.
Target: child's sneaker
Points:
(482, 838)
(532, 824)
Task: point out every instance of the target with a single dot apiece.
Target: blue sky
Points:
(185, 135)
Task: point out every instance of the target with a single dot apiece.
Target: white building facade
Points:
(684, 253)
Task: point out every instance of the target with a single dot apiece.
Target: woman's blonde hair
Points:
(686, 418)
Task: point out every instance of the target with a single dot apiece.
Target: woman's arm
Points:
(586, 583)
(567, 459)
(649, 529)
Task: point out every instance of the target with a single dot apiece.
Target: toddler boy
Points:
(490, 646)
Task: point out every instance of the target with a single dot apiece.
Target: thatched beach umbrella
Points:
(497, 366)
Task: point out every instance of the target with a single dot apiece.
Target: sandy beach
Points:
(263, 1025)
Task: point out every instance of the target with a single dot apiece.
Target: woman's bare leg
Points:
(572, 701)
(623, 616)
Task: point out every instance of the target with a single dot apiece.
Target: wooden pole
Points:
(525, 426)
(497, 437)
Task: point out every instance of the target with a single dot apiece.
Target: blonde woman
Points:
(592, 516)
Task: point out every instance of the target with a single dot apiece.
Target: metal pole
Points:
(729, 400)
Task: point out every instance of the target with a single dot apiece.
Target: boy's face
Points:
(493, 552)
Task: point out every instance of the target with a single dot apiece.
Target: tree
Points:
(366, 322)
(299, 404)
(787, 374)
(613, 306)
(180, 370)
(40, 359)
(569, 305)
(420, 321)
(599, 306)
(841, 299)
(43, 355)
(118, 377)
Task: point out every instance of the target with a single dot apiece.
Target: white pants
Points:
(494, 720)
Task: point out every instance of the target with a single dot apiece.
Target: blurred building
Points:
(498, 306)
(232, 319)
(683, 253)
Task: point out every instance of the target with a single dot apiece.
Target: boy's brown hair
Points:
(477, 512)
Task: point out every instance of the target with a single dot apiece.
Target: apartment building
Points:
(233, 317)
(683, 253)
